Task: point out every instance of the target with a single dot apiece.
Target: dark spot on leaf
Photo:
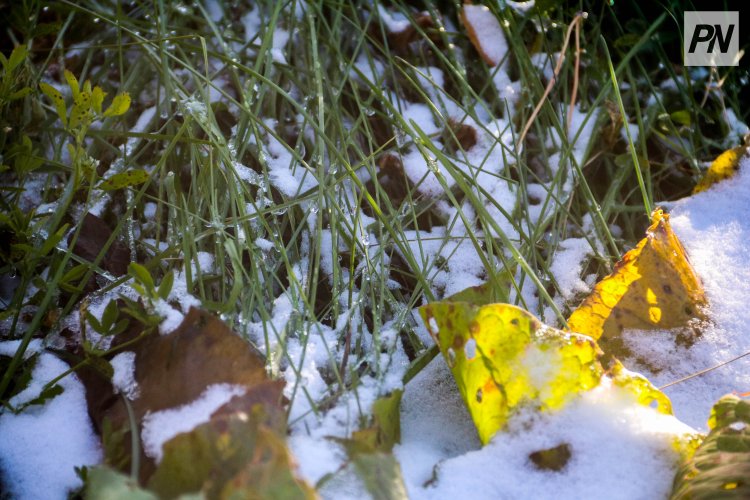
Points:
(474, 328)
(479, 395)
(458, 342)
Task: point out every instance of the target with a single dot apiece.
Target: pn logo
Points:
(712, 38)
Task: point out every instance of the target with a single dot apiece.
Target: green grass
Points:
(323, 113)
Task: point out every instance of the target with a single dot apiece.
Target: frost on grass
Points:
(41, 446)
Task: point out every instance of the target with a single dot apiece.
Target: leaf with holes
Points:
(653, 287)
(503, 358)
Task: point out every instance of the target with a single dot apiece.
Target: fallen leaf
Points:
(723, 167)
(369, 449)
(103, 482)
(174, 370)
(653, 286)
(504, 359)
(240, 452)
(381, 474)
(399, 40)
(459, 137)
(720, 467)
(92, 237)
(385, 430)
(485, 33)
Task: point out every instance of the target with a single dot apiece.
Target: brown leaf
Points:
(92, 238)
(239, 453)
(459, 136)
(173, 370)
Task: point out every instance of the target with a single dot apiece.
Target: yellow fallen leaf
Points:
(723, 167)
(503, 359)
(652, 287)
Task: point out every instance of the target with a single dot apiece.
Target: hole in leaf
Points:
(470, 349)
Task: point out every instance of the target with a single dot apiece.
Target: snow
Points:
(123, 379)
(46, 441)
(396, 22)
(488, 32)
(161, 426)
(619, 450)
(714, 228)
(567, 265)
(171, 317)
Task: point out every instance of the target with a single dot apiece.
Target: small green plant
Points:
(12, 85)
(87, 108)
(110, 324)
(144, 311)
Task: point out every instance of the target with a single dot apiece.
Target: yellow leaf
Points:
(652, 287)
(72, 83)
(57, 99)
(97, 98)
(120, 104)
(723, 167)
(504, 359)
(81, 113)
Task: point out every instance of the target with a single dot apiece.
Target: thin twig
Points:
(702, 372)
(577, 19)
